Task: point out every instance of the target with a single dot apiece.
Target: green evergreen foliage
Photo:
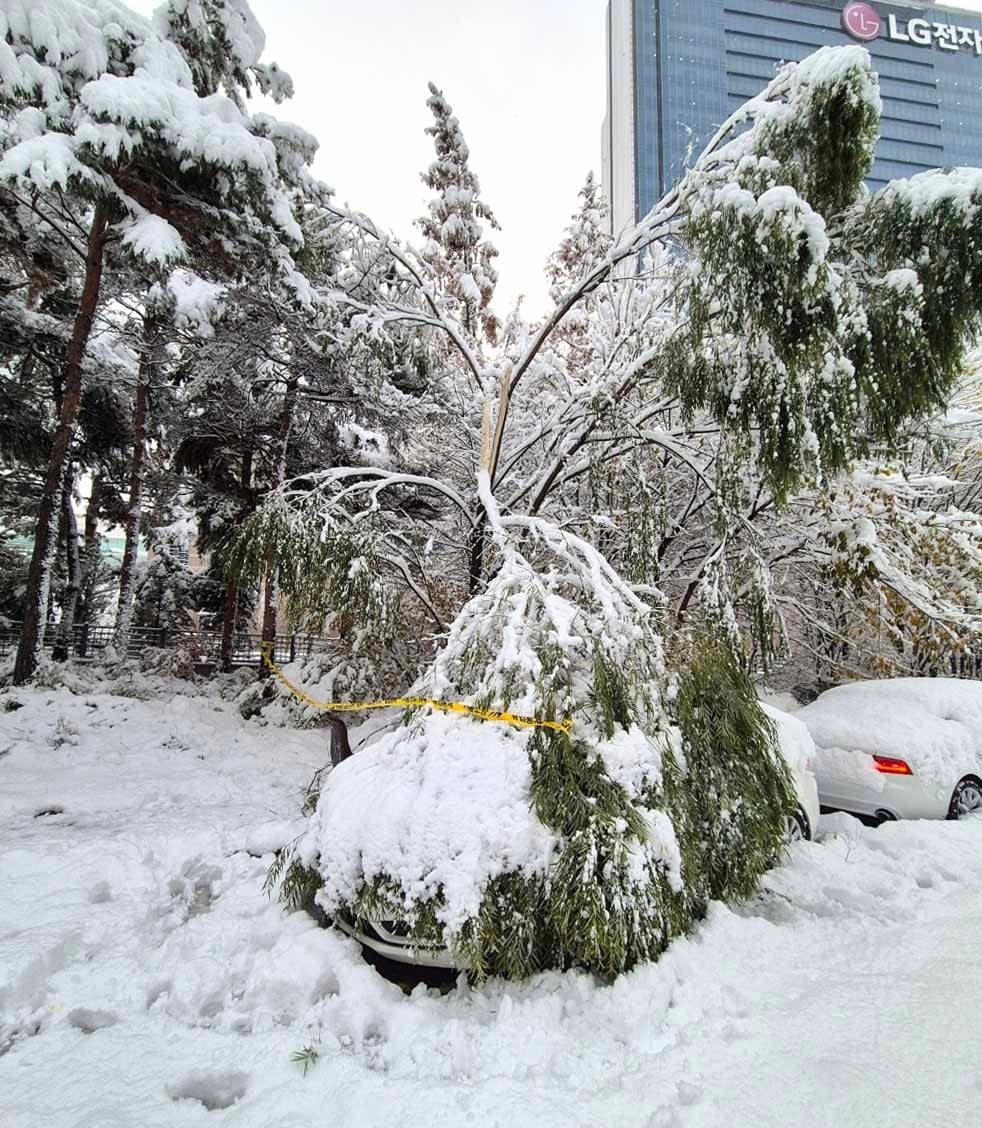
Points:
(24, 437)
(606, 905)
(295, 884)
(609, 906)
(824, 134)
(321, 571)
(737, 788)
(820, 319)
(636, 856)
(13, 580)
(207, 594)
(307, 1057)
(924, 237)
(164, 592)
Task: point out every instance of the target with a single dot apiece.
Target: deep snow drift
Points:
(146, 980)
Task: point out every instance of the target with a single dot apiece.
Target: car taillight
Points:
(889, 766)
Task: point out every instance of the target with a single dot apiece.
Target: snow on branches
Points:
(456, 250)
(110, 109)
(766, 325)
(128, 141)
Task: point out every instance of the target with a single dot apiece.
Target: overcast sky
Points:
(525, 77)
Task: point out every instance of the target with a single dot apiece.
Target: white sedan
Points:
(390, 939)
(901, 748)
(798, 750)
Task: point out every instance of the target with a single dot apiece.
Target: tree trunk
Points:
(232, 587)
(46, 535)
(269, 585)
(66, 628)
(340, 746)
(134, 512)
(91, 551)
(490, 453)
(475, 566)
(269, 618)
(228, 624)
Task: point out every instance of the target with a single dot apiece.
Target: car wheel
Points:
(966, 799)
(798, 829)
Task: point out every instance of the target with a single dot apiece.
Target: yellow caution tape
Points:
(411, 703)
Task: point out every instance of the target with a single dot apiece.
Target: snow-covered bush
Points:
(523, 849)
(170, 661)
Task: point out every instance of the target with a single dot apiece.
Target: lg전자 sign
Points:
(863, 22)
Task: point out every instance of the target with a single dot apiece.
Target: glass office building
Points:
(678, 68)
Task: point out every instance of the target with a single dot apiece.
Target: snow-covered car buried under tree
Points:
(391, 939)
(798, 750)
(901, 748)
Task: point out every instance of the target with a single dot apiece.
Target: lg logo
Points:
(861, 21)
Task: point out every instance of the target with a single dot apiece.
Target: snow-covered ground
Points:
(145, 977)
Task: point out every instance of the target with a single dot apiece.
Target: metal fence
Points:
(89, 640)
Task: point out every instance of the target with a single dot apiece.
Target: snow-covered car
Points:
(798, 749)
(391, 940)
(901, 748)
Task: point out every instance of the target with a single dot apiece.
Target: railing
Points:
(206, 646)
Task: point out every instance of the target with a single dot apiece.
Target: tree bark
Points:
(475, 564)
(46, 534)
(232, 587)
(269, 584)
(269, 618)
(340, 746)
(228, 624)
(66, 628)
(91, 551)
(134, 512)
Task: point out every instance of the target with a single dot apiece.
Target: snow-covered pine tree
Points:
(164, 591)
(150, 351)
(381, 400)
(585, 241)
(89, 98)
(223, 43)
(458, 250)
(171, 323)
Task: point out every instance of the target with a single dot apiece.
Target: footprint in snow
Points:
(89, 1021)
(196, 887)
(157, 991)
(689, 1093)
(665, 1116)
(100, 893)
(213, 1088)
